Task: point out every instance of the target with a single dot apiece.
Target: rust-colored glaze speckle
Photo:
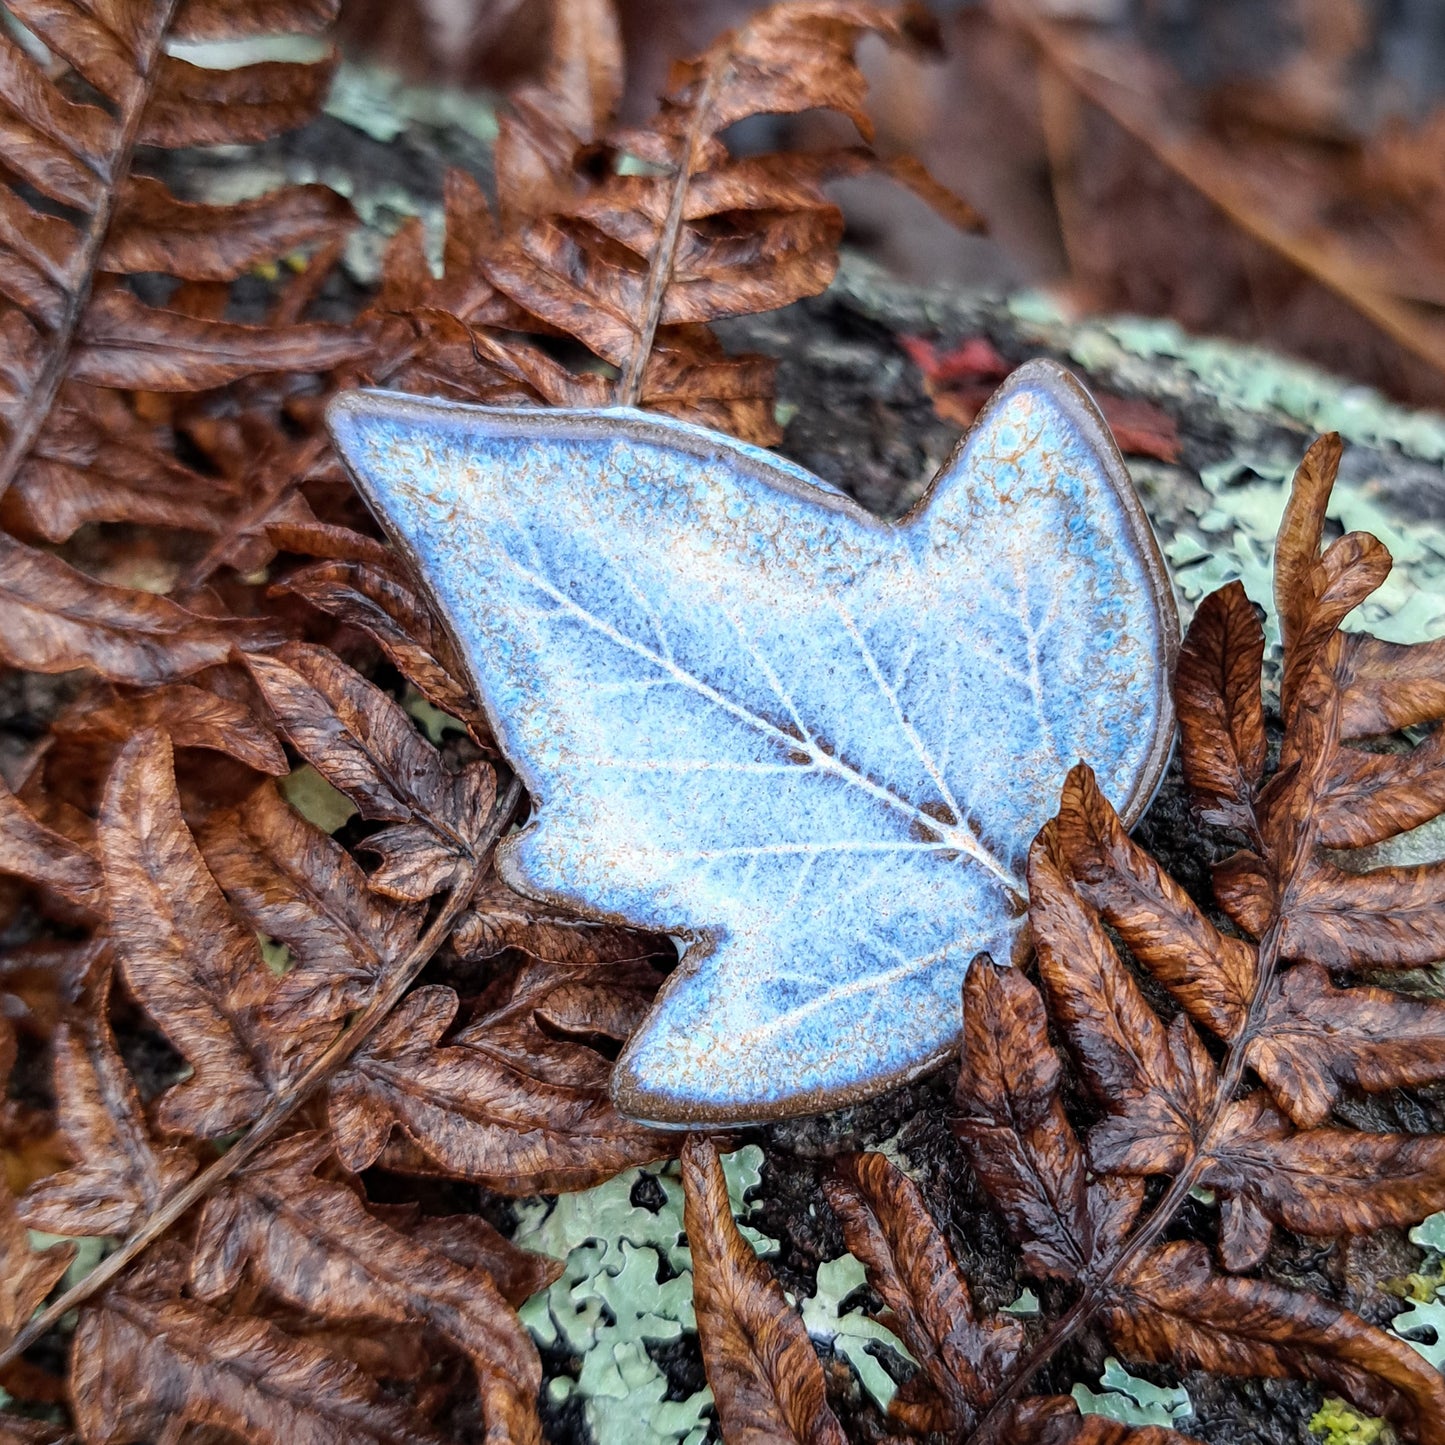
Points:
(812, 744)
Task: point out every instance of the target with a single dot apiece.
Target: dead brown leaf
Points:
(57, 619)
(634, 262)
(1020, 1141)
(296, 885)
(966, 1358)
(28, 1275)
(148, 1360)
(118, 1173)
(1221, 714)
(1173, 1305)
(30, 850)
(501, 918)
(368, 594)
(1170, 1107)
(180, 949)
(760, 1363)
(368, 748)
(500, 1103)
(314, 1244)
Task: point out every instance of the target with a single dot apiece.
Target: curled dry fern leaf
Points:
(514, 1100)
(631, 241)
(96, 85)
(84, 235)
(767, 1380)
(1249, 1117)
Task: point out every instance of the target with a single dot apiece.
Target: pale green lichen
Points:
(628, 1284)
(1025, 1307)
(850, 1331)
(1422, 1324)
(610, 1302)
(1132, 1401)
(1234, 538)
(432, 720)
(1256, 380)
(1430, 1233)
(252, 50)
(379, 103)
(1422, 1327)
(89, 1251)
(274, 954)
(1242, 377)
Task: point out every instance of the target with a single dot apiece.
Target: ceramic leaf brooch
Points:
(811, 745)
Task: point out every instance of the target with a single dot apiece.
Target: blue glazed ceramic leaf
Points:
(812, 744)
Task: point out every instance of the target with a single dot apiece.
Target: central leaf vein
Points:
(951, 837)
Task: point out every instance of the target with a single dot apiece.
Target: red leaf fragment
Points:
(960, 380)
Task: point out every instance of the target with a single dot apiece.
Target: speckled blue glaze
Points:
(812, 744)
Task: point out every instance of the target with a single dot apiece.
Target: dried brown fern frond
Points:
(965, 1358)
(178, 891)
(1079, 1222)
(632, 241)
(768, 1382)
(58, 619)
(1252, 1120)
(365, 588)
(109, 394)
(87, 89)
(150, 1358)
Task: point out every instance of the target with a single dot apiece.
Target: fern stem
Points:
(659, 270)
(291, 477)
(283, 1106)
(1099, 1283)
(32, 420)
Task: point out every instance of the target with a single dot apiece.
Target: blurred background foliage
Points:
(1272, 170)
